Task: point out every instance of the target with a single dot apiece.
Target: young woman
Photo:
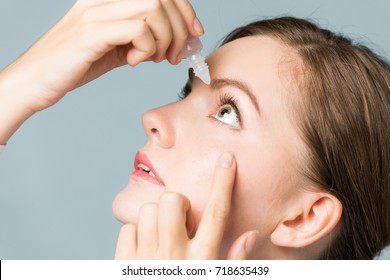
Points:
(302, 113)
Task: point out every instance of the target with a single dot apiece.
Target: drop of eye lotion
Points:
(196, 60)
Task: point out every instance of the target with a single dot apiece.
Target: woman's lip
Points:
(141, 158)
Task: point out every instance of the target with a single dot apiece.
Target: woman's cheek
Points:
(196, 179)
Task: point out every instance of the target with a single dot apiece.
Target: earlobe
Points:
(314, 217)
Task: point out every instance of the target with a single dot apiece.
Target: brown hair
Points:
(343, 117)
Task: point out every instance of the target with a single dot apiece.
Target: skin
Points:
(94, 37)
(186, 138)
(244, 203)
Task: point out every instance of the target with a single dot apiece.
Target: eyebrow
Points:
(224, 82)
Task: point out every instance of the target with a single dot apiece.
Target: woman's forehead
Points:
(255, 60)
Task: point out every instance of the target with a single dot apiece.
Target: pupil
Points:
(225, 111)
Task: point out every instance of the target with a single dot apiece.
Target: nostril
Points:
(159, 127)
(155, 133)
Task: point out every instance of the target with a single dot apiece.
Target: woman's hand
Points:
(166, 230)
(94, 37)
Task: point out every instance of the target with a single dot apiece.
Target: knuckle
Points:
(181, 32)
(187, 7)
(128, 228)
(148, 207)
(164, 43)
(151, 49)
(169, 32)
(143, 32)
(141, 26)
(171, 198)
(220, 213)
(154, 5)
(89, 14)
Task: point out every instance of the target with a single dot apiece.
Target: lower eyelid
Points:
(234, 128)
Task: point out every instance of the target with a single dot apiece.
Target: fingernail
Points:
(198, 26)
(226, 160)
(158, 57)
(251, 241)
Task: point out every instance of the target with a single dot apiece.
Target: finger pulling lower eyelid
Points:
(226, 160)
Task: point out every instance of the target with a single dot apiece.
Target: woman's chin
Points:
(122, 210)
(127, 202)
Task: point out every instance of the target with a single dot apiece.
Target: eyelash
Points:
(185, 91)
(225, 99)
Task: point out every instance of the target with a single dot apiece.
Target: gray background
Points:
(62, 169)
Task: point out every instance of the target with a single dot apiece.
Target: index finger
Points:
(212, 224)
(194, 26)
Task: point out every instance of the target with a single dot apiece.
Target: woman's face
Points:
(244, 111)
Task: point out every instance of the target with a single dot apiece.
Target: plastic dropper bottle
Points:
(196, 60)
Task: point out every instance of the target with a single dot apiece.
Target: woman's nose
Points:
(159, 127)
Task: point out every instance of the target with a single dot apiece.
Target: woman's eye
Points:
(229, 115)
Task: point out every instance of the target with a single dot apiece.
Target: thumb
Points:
(243, 246)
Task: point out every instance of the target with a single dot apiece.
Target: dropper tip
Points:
(204, 76)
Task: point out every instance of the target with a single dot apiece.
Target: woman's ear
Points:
(312, 217)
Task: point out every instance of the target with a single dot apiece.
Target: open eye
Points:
(228, 114)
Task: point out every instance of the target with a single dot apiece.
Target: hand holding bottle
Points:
(94, 37)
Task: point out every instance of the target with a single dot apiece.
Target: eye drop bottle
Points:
(196, 60)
